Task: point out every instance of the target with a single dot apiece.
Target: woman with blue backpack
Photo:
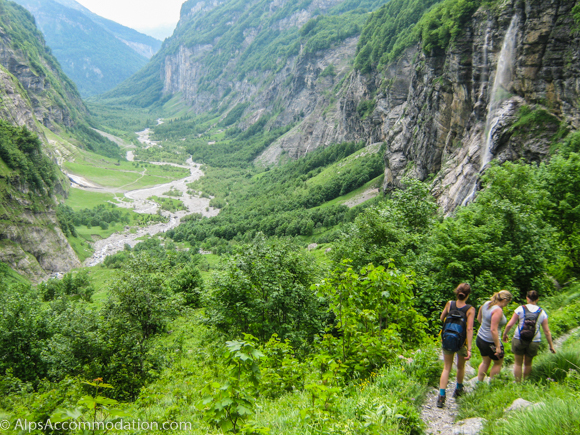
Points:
(491, 318)
(456, 338)
(528, 337)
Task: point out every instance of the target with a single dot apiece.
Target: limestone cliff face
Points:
(294, 91)
(443, 116)
(434, 114)
(31, 241)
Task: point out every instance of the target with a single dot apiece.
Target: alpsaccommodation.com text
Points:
(31, 426)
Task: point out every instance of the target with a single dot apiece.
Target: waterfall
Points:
(499, 93)
(501, 86)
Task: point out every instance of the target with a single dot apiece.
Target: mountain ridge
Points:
(95, 52)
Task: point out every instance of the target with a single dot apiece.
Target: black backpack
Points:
(454, 332)
(528, 329)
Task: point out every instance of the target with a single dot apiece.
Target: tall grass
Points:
(555, 416)
(555, 367)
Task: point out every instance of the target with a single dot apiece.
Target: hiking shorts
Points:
(525, 348)
(461, 352)
(485, 348)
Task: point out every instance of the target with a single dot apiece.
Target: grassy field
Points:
(81, 247)
(79, 199)
(345, 164)
(374, 183)
(101, 279)
(121, 174)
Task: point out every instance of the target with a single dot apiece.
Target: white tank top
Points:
(485, 329)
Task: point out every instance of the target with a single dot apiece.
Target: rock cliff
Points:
(33, 93)
(502, 90)
(433, 110)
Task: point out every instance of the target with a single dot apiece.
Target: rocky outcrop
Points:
(443, 116)
(53, 98)
(32, 243)
(432, 110)
(31, 95)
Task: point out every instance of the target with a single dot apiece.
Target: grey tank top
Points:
(485, 329)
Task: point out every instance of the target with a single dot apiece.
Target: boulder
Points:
(470, 426)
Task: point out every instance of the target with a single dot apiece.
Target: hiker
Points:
(491, 318)
(527, 337)
(456, 337)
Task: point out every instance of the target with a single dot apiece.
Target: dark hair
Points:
(532, 295)
(462, 291)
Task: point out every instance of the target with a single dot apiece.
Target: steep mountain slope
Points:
(95, 53)
(432, 79)
(229, 52)
(34, 93)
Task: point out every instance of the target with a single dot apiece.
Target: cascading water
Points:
(499, 93)
(501, 86)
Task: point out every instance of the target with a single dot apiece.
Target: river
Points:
(139, 202)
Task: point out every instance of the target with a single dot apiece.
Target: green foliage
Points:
(68, 218)
(282, 201)
(499, 242)
(444, 23)
(72, 284)
(534, 121)
(576, 14)
(282, 372)
(264, 288)
(374, 311)
(22, 331)
(389, 31)
(365, 108)
(187, 281)
(401, 23)
(90, 139)
(553, 413)
(95, 410)
(235, 114)
(229, 404)
(21, 151)
(397, 229)
(329, 71)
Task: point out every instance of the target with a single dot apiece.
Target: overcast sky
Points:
(146, 16)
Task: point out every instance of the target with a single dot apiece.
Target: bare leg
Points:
(448, 364)
(460, 369)
(527, 366)
(518, 361)
(483, 368)
(496, 368)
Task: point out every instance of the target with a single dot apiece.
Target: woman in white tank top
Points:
(491, 318)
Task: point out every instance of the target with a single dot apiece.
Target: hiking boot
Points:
(440, 401)
(458, 393)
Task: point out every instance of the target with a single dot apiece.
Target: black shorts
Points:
(485, 348)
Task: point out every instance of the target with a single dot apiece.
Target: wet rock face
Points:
(434, 111)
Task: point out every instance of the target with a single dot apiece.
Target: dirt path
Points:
(442, 420)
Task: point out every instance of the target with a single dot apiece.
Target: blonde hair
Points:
(500, 296)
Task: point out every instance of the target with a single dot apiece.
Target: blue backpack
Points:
(454, 334)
